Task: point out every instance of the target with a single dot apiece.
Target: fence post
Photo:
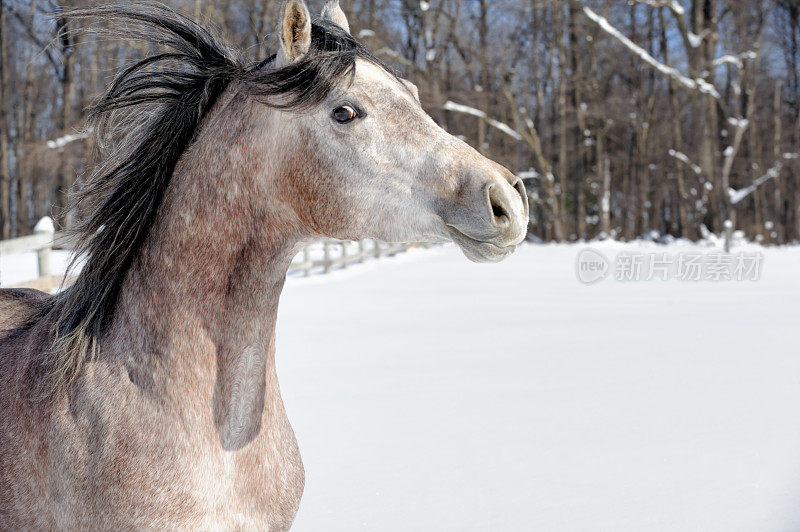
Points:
(361, 249)
(344, 254)
(728, 231)
(327, 257)
(306, 262)
(45, 227)
(377, 249)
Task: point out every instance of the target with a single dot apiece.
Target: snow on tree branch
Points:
(60, 142)
(674, 5)
(682, 157)
(736, 60)
(695, 40)
(528, 174)
(728, 59)
(672, 72)
(739, 123)
(458, 108)
(465, 109)
(738, 195)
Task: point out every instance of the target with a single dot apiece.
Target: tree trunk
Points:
(605, 202)
(28, 121)
(582, 134)
(64, 176)
(5, 170)
(563, 167)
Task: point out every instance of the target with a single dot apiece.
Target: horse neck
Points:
(198, 307)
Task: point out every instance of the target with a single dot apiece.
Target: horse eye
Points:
(344, 114)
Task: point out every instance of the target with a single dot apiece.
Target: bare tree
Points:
(618, 128)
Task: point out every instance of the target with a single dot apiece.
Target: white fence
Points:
(318, 257)
(41, 241)
(326, 255)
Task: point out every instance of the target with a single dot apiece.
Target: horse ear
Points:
(295, 31)
(412, 88)
(332, 12)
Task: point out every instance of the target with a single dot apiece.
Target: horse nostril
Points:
(499, 207)
(499, 211)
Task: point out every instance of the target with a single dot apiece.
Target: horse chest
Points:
(157, 474)
(257, 487)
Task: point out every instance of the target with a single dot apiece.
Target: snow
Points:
(440, 394)
(706, 88)
(437, 394)
(694, 40)
(682, 157)
(740, 123)
(728, 59)
(674, 5)
(505, 128)
(528, 174)
(431, 393)
(60, 142)
(738, 195)
(693, 84)
(460, 108)
(45, 225)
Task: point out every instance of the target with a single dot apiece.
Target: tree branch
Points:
(505, 128)
(36, 41)
(697, 84)
(738, 195)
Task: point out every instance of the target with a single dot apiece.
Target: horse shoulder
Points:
(23, 484)
(18, 304)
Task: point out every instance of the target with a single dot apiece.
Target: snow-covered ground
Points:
(430, 393)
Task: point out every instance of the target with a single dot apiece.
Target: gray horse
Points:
(145, 395)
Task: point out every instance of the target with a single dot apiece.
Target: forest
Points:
(624, 118)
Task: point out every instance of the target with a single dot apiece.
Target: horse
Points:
(144, 395)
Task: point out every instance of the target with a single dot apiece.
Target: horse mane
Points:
(151, 113)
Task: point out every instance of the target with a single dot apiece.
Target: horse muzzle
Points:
(492, 220)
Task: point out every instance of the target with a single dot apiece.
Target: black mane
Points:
(159, 103)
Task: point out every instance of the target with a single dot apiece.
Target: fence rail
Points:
(322, 256)
(41, 241)
(332, 254)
